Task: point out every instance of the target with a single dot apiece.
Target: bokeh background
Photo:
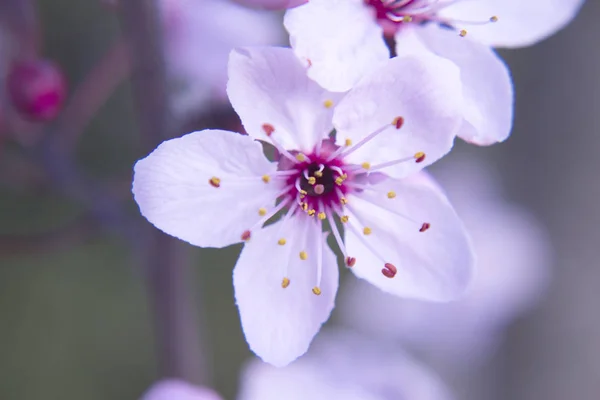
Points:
(77, 317)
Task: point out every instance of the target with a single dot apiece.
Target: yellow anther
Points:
(303, 255)
(316, 290)
(215, 182)
(266, 178)
(344, 218)
(367, 230)
(321, 215)
(328, 103)
(311, 213)
(312, 180)
(303, 192)
(419, 156)
(365, 165)
(463, 33)
(318, 174)
(304, 206)
(339, 180)
(281, 242)
(262, 211)
(391, 194)
(494, 18)
(348, 142)
(344, 200)
(407, 18)
(285, 282)
(300, 157)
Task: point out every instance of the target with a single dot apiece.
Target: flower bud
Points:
(37, 89)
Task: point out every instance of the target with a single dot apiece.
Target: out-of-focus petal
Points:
(338, 39)
(279, 323)
(486, 82)
(198, 38)
(272, 4)
(520, 23)
(417, 232)
(341, 365)
(205, 187)
(176, 389)
(268, 85)
(424, 90)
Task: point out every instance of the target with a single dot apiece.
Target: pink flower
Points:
(343, 366)
(512, 273)
(342, 40)
(198, 38)
(175, 389)
(215, 188)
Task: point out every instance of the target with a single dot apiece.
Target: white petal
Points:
(520, 22)
(279, 323)
(487, 85)
(341, 38)
(172, 188)
(268, 85)
(433, 265)
(423, 89)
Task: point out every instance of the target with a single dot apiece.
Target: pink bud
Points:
(37, 89)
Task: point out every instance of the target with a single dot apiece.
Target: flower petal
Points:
(424, 90)
(176, 389)
(268, 85)
(198, 38)
(279, 323)
(340, 40)
(520, 23)
(487, 85)
(173, 187)
(433, 261)
(272, 4)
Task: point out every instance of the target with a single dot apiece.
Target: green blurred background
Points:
(75, 321)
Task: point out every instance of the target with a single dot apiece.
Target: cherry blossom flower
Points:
(176, 389)
(215, 188)
(341, 365)
(513, 256)
(341, 40)
(198, 38)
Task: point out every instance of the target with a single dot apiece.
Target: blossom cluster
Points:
(369, 94)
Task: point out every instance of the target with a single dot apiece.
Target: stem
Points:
(167, 264)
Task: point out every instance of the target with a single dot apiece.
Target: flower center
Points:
(397, 12)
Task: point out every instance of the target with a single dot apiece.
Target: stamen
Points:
(419, 157)
(348, 142)
(281, 149)
(350, 261)
(303, 255)
(319, 173)
(338, 238)
(215, 182)
(391, 194)
(316, 290)
(285, 282)
(344, 219)
(262, 211)
(399, 122)
(266, 178)
(312, 180)
(328, 103)
(367, 231)
(389, 270)
(301, 157)
(462, 33)
(425, 226)
(365, 165)
(246, 236)
(268, 128)
(281, 242)
(311, 213)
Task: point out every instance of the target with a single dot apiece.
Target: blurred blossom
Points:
(343, 366)
(341, 40)
(215, 188)
(36, 88)
(199, 36)
(513, 256)
(272, 4)
(175, 389)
